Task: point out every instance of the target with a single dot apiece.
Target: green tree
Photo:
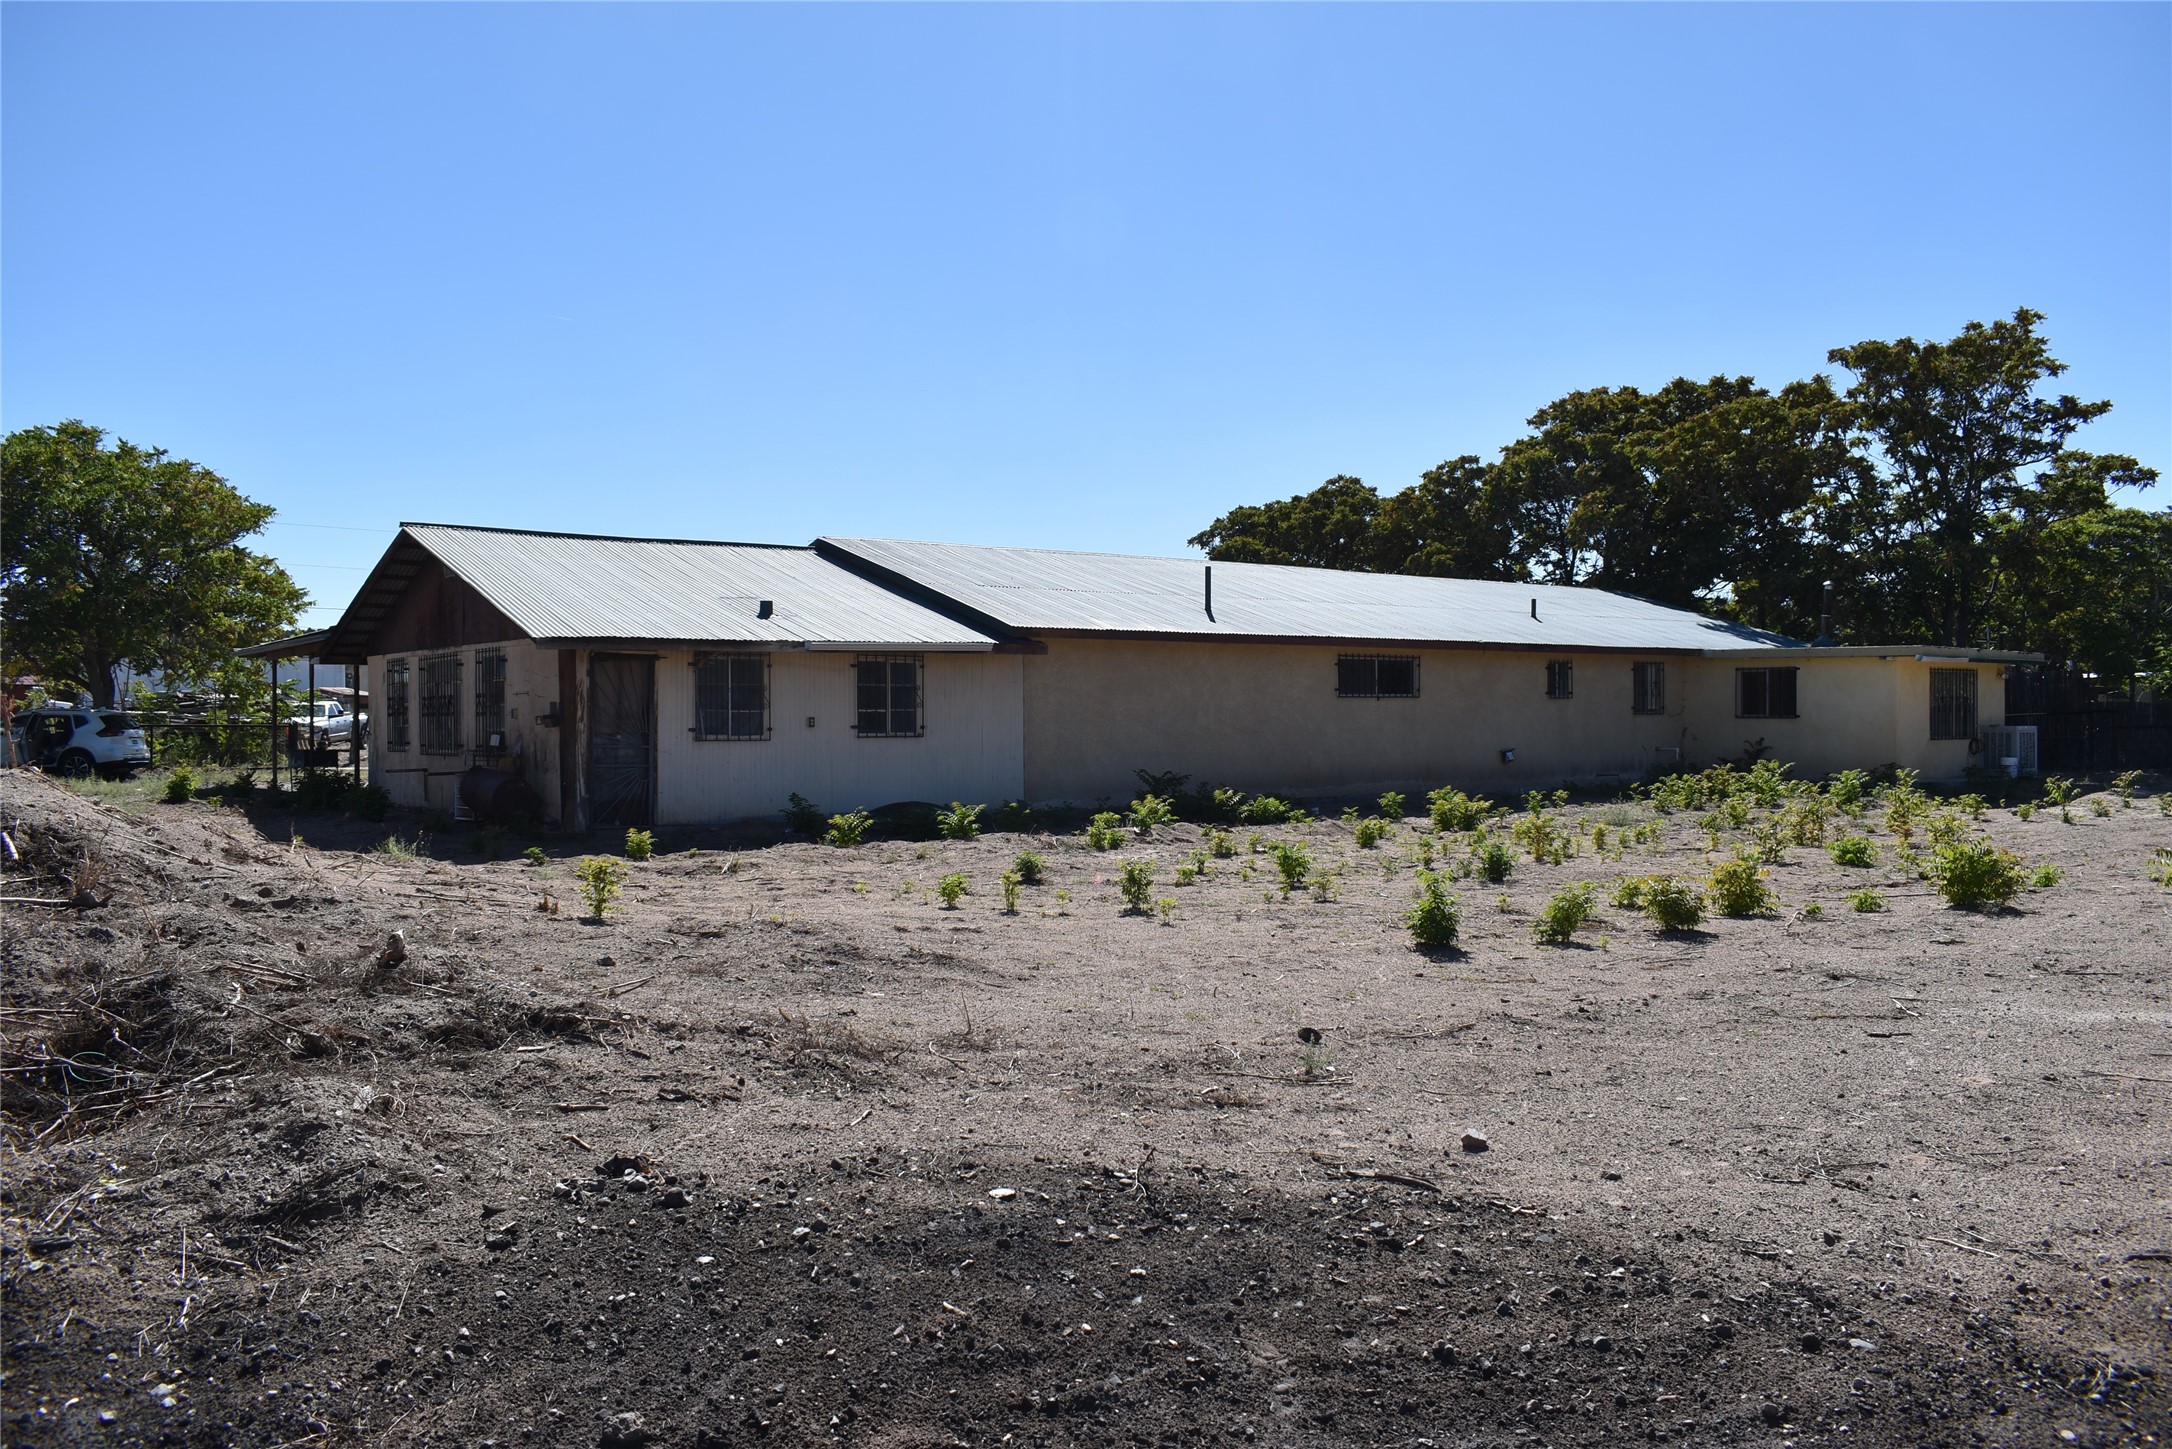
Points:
(2084, 580)
(1953, 427)
(121, 554)
(1329, 528)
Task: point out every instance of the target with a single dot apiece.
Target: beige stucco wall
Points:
(431, 781)
(1266, 717)
(973, 748)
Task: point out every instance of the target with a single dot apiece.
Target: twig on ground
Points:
(1370, 1174)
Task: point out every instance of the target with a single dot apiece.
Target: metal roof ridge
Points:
(605, 537)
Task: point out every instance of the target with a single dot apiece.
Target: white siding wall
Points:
(428, 781)
(973, 750)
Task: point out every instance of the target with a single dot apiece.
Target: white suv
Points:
(79, 741)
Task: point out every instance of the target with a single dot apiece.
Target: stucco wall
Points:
(973, 748)
(1266, 717)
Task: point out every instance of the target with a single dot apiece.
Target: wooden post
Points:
(272, 711)
(354, 719)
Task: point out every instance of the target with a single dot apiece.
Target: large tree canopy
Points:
(1937, 491)
(123, 555)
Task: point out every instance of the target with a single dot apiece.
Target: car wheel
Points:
(75, 764)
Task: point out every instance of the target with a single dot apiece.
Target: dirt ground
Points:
(784, 1152)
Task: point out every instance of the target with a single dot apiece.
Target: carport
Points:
(305, 647)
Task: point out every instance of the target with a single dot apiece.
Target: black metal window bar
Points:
(1648, 688)
(1765, 693)
(890, 696)
(397, 732)
(441, 705)
(489, 702)
(1376, 676)
(731, 697)
(1953, 704)
(1560, 679)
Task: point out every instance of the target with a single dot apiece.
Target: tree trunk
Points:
(98, 677)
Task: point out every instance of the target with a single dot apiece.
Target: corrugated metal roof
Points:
(1045, 590)
(567, 587)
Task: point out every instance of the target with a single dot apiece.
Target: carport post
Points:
(354, 719)
(272, 712)
(309, 741)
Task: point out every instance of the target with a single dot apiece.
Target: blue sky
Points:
(1065, 276)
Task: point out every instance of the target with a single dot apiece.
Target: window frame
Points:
(1965, 699)
(705, 709)
(489, 694)
(1648, 687)
(446, 693)
(1561, 679)
(1344, 662)
(399, 726)
(1767, 671)
(919, 666)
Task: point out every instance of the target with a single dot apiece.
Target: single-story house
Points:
(664, 681)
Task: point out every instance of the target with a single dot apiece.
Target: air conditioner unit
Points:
(2012, 742)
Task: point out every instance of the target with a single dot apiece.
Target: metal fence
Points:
(2084, 726)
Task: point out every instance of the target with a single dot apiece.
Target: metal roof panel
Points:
(1032, 589)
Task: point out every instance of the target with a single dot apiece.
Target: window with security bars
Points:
(397, 734)
(890, 696)
(731, 697)
(1560, 679)
(1376, 676)
(1648, 688)
(489, 699)
(441, 705)
(1953, 704)
(1764, 694)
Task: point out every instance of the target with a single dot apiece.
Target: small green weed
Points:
(2044, 877)
(1738, 888)
(1166, 908)
(1030, 867)
(1866, 901)
(1105, 831)
(1292, 862)
(1495, 861)
(534, 855)
(959, 822)
(1672, 904)
(1976, 875)
(952, 889)
(801, 817)
(1370, 833)
(1391, 805)
(847, 831)
(1220, 844)
(640, 844)
(1149, 811)
(1010, 883)
(1451, 809)
(1854, 850)
(180, 786)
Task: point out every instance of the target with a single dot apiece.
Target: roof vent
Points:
(1534, 608)
(766, 609)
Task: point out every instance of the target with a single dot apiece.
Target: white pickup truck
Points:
(328, 723)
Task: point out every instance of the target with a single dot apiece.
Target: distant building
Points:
(652, 681)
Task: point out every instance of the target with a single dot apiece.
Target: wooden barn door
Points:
(621, 739)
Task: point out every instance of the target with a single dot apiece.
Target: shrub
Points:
(2025, 811)
(1186, 874)
(1769, 843)
(1495, 861)
(399, 849)
(1738, 888)
(1629, 893)
(1945, 828)
(1866, 901)
(1569, 908)
(1673, 905)
(1391, 805)
(1220, 844)
(1105, 831)
(1542, 835)
(1812, 911)
(1135, 883)
(533, 855)
(801, 817)
(1167, 908)
(1976, 874)
(320, 790)
(847, 831)
(640, 844)
(1370, 833)
(2099, 806)
(181, 786)
(1451, 809)
(1434, 918)
(1014, 815)
(1149, 811)
(1030, 867)
(2044, 877)
(1009, 883)
(1267, 810)
(959, 822)
(369, 802)
(1846, 791)
(1854, 850)
(2123, 785)
(951, 887)
(600, 878)
(2059, 790)
(1292, 862)
(2160, 865)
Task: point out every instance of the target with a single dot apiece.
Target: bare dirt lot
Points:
(784, 1152)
